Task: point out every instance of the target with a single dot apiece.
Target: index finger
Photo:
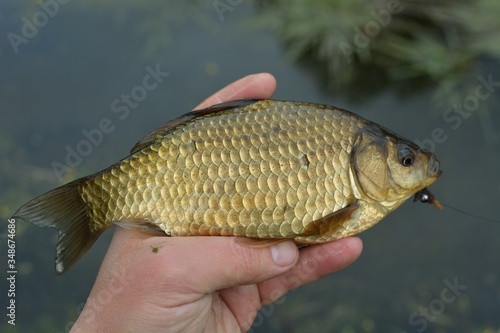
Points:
(258, 86)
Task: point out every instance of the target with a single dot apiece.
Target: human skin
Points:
(203, 284)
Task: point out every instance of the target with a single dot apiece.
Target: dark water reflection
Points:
(65, 79)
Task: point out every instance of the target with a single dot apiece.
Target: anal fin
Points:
(259, 243)
(141, 226)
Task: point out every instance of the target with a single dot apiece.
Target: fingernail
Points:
(284, 253)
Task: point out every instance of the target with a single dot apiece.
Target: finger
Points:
(256, 86)
(232, 264)
(314, 262)
(199, 264)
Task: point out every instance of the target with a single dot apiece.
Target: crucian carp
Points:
(263, 169)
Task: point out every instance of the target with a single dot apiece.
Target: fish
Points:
(262, 169)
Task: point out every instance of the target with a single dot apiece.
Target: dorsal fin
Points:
(172, 124)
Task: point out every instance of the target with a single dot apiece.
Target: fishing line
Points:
(425, 196)
(469, 214)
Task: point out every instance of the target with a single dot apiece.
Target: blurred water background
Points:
(420, 68)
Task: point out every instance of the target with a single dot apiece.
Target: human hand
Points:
(202, 284)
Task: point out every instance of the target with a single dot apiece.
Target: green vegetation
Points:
(352, 42)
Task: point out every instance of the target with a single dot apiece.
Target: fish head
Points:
(388, 168)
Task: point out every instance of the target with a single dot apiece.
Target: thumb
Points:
(216, 263)
(201, 264)
(207, 264)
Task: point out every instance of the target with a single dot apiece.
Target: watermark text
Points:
(455, 115)
(31, 27)
(120, 108)
(11, 272)
(429, 313)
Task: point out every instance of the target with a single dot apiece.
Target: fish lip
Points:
(433, 167)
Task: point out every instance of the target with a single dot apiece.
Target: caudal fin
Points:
(64, 209)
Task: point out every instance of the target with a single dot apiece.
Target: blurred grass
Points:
(415, 44)
(421, 43)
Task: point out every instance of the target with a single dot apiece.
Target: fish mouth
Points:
(433, 167)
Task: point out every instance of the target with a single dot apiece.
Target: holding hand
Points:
(202, 284)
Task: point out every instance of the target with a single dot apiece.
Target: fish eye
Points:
(406, 156)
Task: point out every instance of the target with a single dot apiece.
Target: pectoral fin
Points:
(330, 223)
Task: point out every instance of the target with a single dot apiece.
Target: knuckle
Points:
(249, 261)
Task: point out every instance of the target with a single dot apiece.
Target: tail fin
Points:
(64, 209)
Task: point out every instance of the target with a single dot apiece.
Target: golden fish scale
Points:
(265, 170)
